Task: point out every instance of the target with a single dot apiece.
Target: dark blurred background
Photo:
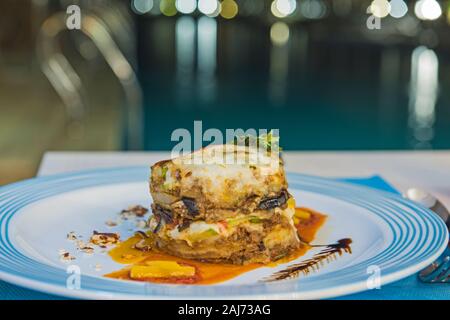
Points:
(330, 74)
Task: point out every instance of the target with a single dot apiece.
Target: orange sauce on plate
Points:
(307, 228)
(206, 273)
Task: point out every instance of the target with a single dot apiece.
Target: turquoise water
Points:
(343, 116)
(335, 95)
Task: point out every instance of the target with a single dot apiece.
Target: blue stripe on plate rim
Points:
(413, 228)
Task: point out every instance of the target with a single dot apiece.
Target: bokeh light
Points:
(448, 14)
(274, 10)
(229, 9)
(427, 9)
(398, 8)
(142, 6)
(209, 7)
(186, 6)
(380, 8)
(168, 7)
(286, 7)
(279, 33)
(283, 8)
(313, 9)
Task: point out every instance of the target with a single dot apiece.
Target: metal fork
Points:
(439, 270)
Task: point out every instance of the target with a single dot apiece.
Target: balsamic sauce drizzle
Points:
(328, 254)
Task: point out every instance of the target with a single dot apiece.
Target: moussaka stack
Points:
(209, 208)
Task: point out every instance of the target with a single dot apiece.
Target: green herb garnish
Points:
(266, 141)
(164, 172)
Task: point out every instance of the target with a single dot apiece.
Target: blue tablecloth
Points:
(408, 288)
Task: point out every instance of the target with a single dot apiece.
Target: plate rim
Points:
(327, 292)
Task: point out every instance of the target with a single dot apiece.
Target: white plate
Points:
(389, 233)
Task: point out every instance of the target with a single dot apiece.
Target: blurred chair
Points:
(108, 38)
